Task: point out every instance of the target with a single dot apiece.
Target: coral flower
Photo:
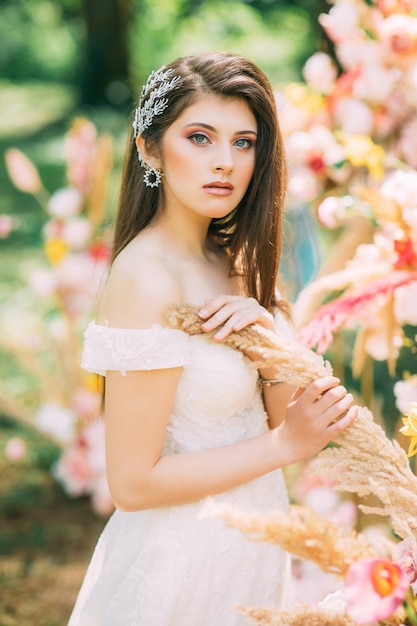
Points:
(410, 428)
(374, 589)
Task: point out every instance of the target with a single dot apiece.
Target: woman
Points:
(199, 222)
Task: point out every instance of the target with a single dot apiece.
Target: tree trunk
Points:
(106, 60)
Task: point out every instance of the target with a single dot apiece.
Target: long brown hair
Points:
(251, 234)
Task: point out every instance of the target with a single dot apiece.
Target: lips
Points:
(219, 185)
(219, 188)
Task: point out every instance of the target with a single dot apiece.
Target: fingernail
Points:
(202, 312)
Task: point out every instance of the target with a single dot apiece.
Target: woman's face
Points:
(208, 156)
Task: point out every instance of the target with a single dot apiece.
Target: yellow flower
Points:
(300, 96)
(56, 249)
(410, 428)
(361, 151)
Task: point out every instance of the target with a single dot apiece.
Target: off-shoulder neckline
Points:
(94, 324)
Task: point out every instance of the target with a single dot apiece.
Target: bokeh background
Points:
(70, 73)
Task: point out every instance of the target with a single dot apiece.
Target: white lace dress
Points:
(169, 566)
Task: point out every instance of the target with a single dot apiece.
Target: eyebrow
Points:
(209, 127)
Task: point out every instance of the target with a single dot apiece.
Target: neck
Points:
(189, 234)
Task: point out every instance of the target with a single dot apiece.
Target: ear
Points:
(148, 153)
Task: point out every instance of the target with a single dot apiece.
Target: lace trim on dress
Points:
(128, 349)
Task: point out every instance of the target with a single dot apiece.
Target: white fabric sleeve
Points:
(128, 349)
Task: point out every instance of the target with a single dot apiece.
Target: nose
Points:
(223, 160)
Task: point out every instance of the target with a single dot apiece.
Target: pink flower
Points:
(398, 34)
(407, 143)
(22, 172)
(337, 313)
(15, 449)
(65, 202)
(6, 225)
(405, 554)
(73, 470)
(86, 404)
(374, 589)
(81, 150)
(303, 185)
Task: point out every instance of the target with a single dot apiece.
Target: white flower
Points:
(353, 53)
(65, 202)
(375, 83)
(405, 309)
(353, 116)
(303, 185)
(405, 392)
(334, 602)
(341, 22)
(42, 282)
(77, 232)
(320, 72)
(332, 211)
(56, 422)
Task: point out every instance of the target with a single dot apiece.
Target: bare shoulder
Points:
(139, 289)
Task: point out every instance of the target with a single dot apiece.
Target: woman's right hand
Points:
(316, 415)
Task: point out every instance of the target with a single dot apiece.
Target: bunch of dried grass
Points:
(365, 461)
(297, 615)
(302, 532)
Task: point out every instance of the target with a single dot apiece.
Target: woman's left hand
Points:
(232, 313)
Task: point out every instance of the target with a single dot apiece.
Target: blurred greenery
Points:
(111, 46)
(49, 59)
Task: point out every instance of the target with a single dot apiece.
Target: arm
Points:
(138, 406)
(137, 411)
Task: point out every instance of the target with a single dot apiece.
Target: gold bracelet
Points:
(269, 382)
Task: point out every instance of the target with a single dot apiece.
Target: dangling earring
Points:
(151, 171)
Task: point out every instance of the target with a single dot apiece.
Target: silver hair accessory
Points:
(157, 86)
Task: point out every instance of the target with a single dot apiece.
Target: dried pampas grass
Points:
(297, 615)
(365, 461)
(297, 365)
(301, 532)
(307, 615)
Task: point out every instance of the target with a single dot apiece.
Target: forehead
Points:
(219, 112)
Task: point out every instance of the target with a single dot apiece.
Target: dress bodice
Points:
(217, 402)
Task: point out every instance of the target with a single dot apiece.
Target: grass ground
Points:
(46, 539)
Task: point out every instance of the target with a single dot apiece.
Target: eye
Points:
(244, 142)
(199, 138)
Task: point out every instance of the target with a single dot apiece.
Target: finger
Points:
(336, 411)
(344, 421)
(331, 397)
(212, 305)
(221, 316)
(316, 389)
